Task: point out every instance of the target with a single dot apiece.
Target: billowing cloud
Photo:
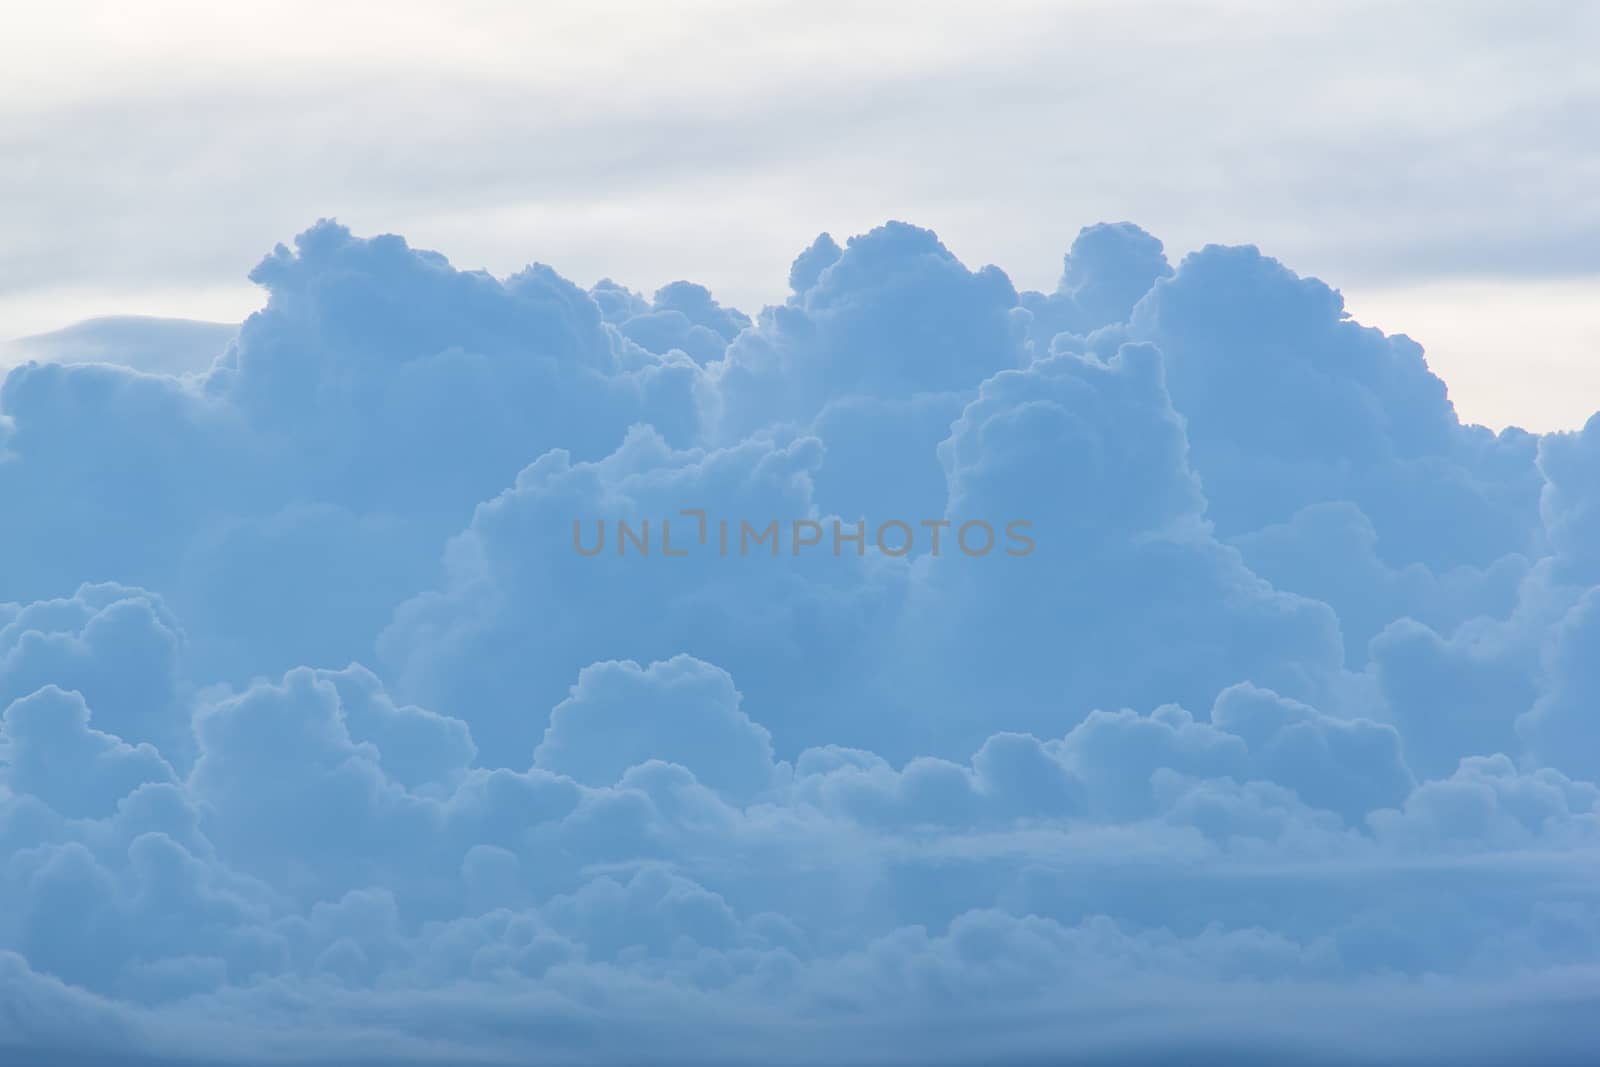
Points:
(465, 669)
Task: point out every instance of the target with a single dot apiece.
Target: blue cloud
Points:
(683, 711)
(1270, 728)
(1287, 403)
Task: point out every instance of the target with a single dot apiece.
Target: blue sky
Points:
(1156, 658)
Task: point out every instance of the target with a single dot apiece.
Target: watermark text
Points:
(692, 531)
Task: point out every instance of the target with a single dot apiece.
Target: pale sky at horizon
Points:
(152, 157)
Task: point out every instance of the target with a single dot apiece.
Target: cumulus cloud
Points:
(465, 668)
(1288, 402)
(682, 711)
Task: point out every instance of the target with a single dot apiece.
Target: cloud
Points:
(682, 711)
(894, 315)
(486, 646)
(355, 422)
(1126, 572)
(118, 646)
(1569, 500)
(153, 345)
(1110, 267)
(54, 755)
(1287, 402)
(342, 717)
(1562, 728)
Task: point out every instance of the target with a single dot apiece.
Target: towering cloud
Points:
(467, 669)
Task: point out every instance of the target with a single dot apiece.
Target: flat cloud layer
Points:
(162, 346)
(346, 719)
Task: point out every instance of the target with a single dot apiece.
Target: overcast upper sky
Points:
(1436, 162)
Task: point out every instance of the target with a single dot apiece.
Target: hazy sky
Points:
(1436, 162)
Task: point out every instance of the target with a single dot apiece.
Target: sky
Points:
(547, 536)
(1429, 160)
